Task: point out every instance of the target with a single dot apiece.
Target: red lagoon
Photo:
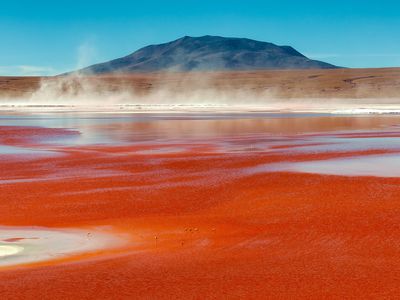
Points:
(199, 206)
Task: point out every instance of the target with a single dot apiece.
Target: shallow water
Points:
(168, 138)
(13, 150)
(368, 165)
(108, 128)
(223, 200)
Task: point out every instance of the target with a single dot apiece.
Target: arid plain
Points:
(330, 84)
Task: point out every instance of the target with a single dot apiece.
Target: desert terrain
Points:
(281, 84)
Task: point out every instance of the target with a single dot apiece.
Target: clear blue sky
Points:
(50, 37)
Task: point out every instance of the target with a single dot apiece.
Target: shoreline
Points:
(206, 109)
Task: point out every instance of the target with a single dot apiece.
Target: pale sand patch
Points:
(24, 245)
(6, 250)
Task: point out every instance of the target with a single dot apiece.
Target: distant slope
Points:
(209, 53)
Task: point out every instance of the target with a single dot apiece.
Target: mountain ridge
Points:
(209, 53)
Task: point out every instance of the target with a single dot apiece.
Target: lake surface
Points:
(269, 203)
(228, 132)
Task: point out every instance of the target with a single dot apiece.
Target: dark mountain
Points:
(209, 53)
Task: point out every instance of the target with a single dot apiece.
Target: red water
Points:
(200, 226)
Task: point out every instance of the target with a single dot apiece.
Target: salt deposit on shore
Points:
(25, 245)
